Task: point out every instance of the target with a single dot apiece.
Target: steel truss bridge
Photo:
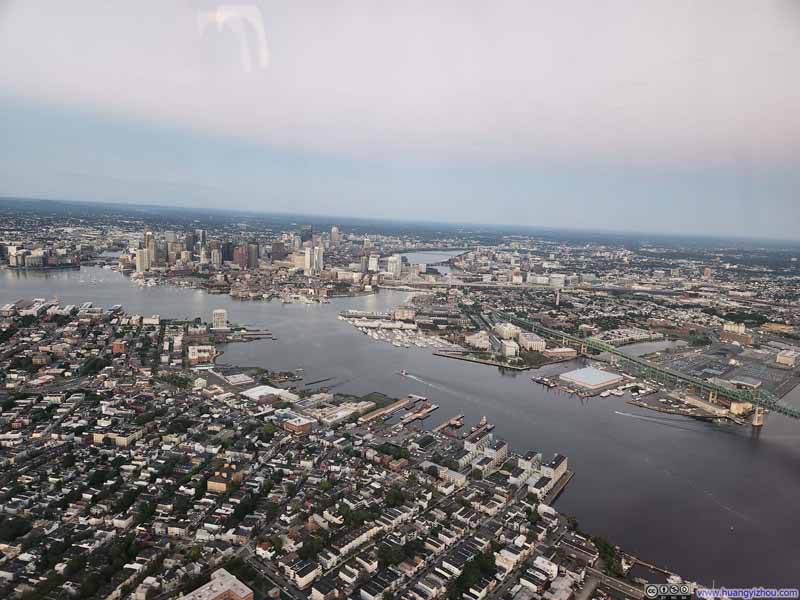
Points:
(758, 397)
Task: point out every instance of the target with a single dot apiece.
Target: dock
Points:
(386, 410)
(420, 414)
(558, 488)
(455, 422)
(458, 355)
(476, 431)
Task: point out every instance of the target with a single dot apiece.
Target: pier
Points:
(387, 410)
(455, 422)
(420, 414)
(553, 495)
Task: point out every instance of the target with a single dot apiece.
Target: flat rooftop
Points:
(591, 378)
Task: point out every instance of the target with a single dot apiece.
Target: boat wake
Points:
(429, 384)
(676, 422)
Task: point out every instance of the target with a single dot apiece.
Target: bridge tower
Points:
(712, 396)
(584, 349)
(758, 417)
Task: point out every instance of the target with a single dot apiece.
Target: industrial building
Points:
(591, 378)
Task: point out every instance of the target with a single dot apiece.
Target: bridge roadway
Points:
(757, 397)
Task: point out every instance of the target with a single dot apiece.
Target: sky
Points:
(659, 116)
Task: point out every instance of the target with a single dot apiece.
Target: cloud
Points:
(662, 82)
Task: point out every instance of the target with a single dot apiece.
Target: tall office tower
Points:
(374, 263)
(395, 265)
(161, 252)
(203, 256)
(364, 264)
(367, 243)
(150, 245)
(240, 256)
(318, 259)
(308, 264)
(216, 257)
(334, 234)
(278, 250)
(142, 260)
(227, 250)
(201, 236)
(306, 233)
(174, 248)
(170, 237)
(186, 257)
(219, 319)
(252, 255)
(190, 241)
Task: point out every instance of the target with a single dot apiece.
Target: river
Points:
(712, 502)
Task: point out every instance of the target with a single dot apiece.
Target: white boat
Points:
(605, 394)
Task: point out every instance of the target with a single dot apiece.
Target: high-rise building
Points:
(319, 264)
(216, 257)
(226, 248)
(313, 262)
(395, 265)
(306, 233)
(334, 234)
(219, 319)
(150, 245)
(374, 264)
(142, 260)
(161, 252)
(252, 255)
(240, 256)
(278, 251)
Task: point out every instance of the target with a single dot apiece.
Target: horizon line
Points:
(450, 224)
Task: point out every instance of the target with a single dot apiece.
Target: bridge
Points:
(760, 398)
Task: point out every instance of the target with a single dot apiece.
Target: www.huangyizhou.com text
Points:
(747, 593)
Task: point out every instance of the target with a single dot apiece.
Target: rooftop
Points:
(590, 377)
(222, 583)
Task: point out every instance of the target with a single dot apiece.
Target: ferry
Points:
(605, 394)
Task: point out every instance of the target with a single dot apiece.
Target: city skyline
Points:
(334, 219)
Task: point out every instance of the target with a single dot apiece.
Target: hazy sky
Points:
(623, 114)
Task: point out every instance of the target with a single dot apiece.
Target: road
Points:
(613, 582)
(272, 575)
